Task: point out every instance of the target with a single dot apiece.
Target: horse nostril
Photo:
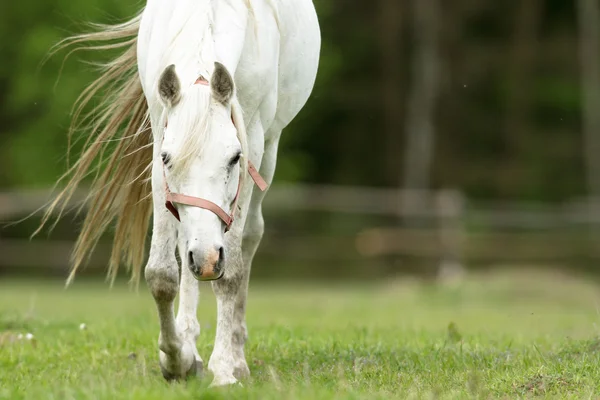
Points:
(221, 253)
(190, 259)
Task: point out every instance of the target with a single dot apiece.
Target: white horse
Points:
(199, 97)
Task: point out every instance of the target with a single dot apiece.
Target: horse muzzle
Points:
(209, 267)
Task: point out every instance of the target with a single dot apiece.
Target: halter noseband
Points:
(177, 198)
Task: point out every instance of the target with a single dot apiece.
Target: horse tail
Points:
(117, 152)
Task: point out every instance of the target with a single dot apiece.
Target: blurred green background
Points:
(498, 82)
(340, 137)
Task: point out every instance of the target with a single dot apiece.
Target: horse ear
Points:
(221, 84)
(169, 87)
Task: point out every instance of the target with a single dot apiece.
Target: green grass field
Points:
(508, 336)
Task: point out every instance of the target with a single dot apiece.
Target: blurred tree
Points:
(589, 49)
(391, 25)
(521, 60)
(36, 99)
(422, 100)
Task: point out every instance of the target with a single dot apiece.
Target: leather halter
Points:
(177, 198)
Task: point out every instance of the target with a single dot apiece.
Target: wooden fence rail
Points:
(452, 230)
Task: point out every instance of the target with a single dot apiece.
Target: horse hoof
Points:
(241, 371)
(169, 377)
(196, 370)
(226, 381)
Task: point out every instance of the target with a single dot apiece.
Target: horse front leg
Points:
(177, 356)
(252, 236)
(226, 289)
(253, 233)
(228, 361)
(187, 313)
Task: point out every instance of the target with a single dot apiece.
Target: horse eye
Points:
(166, 158)
(235, 159)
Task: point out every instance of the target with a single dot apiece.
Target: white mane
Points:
(193, 122)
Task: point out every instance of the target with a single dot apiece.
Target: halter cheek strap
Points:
(177, 198)
(258, 180)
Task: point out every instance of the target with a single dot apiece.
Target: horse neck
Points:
(194, 34)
